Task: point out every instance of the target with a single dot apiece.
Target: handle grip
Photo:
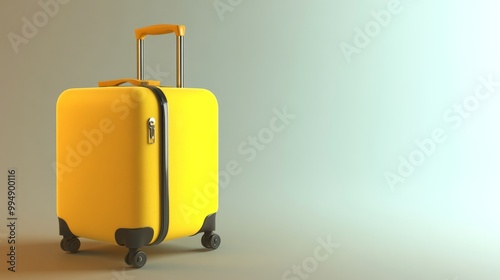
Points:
(160, 29)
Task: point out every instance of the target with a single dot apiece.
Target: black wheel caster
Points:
(210, 240)
(70, 244)
(127, 259)
(136, 259)
(204, 240)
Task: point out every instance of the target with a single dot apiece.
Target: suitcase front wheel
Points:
(136, 258)
(70, 244)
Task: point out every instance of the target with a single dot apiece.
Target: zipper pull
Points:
(151, 131)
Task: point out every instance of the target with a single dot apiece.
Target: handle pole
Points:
(140, 59)
(180, 61)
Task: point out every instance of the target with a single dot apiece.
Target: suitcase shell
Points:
(136, 165)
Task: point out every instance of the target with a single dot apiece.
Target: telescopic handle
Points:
(160, 29)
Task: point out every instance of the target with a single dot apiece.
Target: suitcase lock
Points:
(151, 131)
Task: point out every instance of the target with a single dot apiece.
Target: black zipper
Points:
(164, 202)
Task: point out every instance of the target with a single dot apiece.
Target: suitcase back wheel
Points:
(210, 240)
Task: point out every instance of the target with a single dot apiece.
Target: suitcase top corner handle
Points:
(115, 83)
(160, 29)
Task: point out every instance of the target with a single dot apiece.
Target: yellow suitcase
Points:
(137, 165)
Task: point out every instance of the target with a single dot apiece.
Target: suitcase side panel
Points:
(107, 174)
(192, 159)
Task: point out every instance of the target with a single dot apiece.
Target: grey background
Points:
(322, 177)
